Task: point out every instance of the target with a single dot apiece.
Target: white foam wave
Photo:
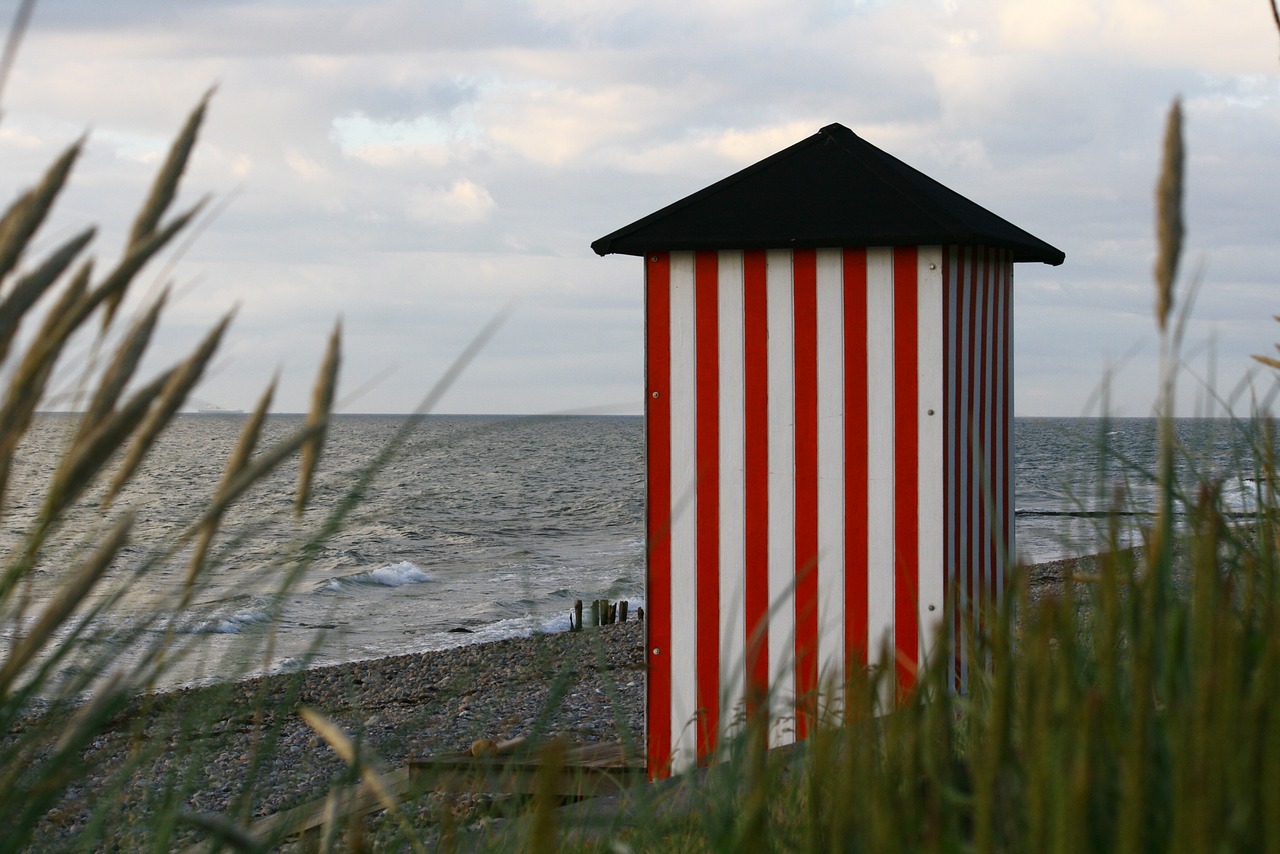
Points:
(226, 624)
(1240, 495)
(392, 575)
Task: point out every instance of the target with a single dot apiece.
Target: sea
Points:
(473, 528)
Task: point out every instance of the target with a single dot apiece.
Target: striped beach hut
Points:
(829, 431)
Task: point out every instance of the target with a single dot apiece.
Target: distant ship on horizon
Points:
(204, 407)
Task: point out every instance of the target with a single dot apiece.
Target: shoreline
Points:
(583, 686)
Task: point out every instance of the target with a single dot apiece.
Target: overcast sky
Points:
(415, 167)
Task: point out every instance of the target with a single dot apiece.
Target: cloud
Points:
(415, 167)
(552, 125)
(1147, 33)
(463, 201)
(399, 142)
(304, 167)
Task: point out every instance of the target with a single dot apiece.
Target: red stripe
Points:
(855, 451)
(977, 440)
(1007, 480)
(993, 395)
(805, 305)
(999, 437)
(756, 475)
(906, 464)
(707, 377)
(971, 567)
(658, 521)
(964, 443)
(984, 435)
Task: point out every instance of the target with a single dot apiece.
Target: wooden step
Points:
(579, 770)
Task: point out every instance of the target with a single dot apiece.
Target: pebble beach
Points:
(582, 686)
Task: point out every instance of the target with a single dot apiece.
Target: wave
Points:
(391, 575)
(226, 624)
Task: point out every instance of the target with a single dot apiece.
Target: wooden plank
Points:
(511, 768)
(587, 770)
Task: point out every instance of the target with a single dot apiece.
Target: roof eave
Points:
(621, 245)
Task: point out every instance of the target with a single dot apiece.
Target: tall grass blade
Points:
(318, 417)
(21, 18)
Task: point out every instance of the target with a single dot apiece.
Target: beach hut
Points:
(829, 432)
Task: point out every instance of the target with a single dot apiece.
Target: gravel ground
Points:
(241, 750)
(585, 687)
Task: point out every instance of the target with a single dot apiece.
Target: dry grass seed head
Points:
(163, 191)
(171, 398)
(318, 417)
(237, 462)
(25, 215)
(165, 186)
(1267, 360)
(27, 384)
(32, 286)
(89, 455)
(1169, 225)
(113, 288)
(255, 470)
(122, 368)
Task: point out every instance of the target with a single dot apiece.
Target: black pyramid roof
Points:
(833, 189)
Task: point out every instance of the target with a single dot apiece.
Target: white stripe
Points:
(930, 438)
(953, 463)
(684, 590)
(831, 473)
(964, 480)
(880, 447)
(782, 529)
(732, 489)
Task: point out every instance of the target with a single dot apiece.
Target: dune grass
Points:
(1137, 709)
(52, 610)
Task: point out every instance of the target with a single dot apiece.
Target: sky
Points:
(418, 169)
